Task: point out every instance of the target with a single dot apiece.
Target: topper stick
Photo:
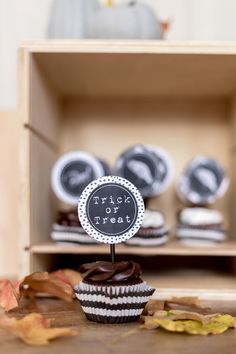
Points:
(113, 252)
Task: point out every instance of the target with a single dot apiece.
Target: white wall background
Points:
(27, 19)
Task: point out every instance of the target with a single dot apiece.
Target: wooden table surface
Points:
(101, 338)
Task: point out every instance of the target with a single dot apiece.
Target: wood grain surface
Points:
(9, 192)
(120, 338)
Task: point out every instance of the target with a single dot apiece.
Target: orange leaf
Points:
(69, 276)
(33, 329)
(10, 295)
(46, 283)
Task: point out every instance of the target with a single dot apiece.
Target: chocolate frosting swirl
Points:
(110, 272)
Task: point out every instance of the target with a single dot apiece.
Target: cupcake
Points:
(68, 229)
(112, 292)
(153, 232)
(200, 226)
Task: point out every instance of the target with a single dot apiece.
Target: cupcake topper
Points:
(111, 210)
(202, 182)
(148, 167)
(73, 172)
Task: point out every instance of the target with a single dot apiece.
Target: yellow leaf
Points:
(216, 325)
(33, 329)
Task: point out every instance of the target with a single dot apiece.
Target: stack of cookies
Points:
(200, 226)
(71, 173)
(150, 169)
(68, 229)
(153, 232)
(200, 185)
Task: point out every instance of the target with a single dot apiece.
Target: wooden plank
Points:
(45, 112)
(203, 294)
(157, 69)
(130, 75)
(24, 152)
(173, 248)
(232, 117)
(9, 191)
(130, 46)
(39, 117)
(127, 338)
(42, 200)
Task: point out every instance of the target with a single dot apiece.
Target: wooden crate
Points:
(9, 191)
(104, 96)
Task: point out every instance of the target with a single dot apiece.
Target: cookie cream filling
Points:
(153, 218)
(200, 216)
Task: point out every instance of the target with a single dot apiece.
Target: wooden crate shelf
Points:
(104, 96)
(172, 248)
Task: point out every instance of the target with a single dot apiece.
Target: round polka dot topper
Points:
(111, 210)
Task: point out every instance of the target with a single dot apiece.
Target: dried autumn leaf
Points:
(216, 325)
(2, 282)
(69, 276)
(189, 301)
(48, 284)
(33, 329)
(153, 306)
(73, 276)
(149, 322)
(184, 315)
(10, 295)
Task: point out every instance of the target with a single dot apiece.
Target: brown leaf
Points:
(10, 295)
(69, 276)
(48, 284)
(175, 315)
(59, 284)
(149, 322)
(153, 306)
(189, 301)
(33, 329)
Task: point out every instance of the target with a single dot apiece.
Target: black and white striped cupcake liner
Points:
(113, 303)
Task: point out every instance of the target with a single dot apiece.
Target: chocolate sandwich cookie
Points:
(153, 232)
(149, 168)
(200, 226)
(202, 182)
(68, 229)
